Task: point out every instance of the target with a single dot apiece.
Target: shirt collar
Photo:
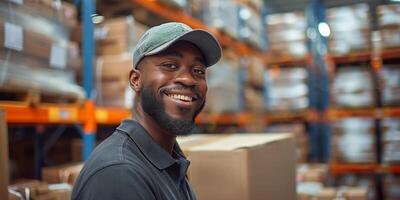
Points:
(152, 151)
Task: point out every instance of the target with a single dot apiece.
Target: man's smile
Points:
(183, 98)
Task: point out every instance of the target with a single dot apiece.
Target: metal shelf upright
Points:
(88, 46)
(319, 79)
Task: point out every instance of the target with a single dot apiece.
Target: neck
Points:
(164, 139)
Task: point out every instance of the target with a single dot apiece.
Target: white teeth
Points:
(181, 97)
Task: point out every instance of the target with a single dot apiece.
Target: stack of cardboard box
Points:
(353, 87)
(221, 15)
(286, 36)
(286, 89)
(391, 187)
(36, 190)
(391, 140)
(312, 173)
(252, 77)
(389, 25)
(349, 27)
(254, 84)
(115, 40)
(348, 193)
(312, 180)
(39, 58)
(300, 135)
(367, 181)
(223, 95)
(353, 141)
(251, 26)
(390, 87)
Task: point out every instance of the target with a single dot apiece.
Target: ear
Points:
(134, 80)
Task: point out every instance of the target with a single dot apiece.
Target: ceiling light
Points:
(245, 13)
(97, 19)
(324, 29)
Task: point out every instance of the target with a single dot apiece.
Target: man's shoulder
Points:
(118, 149)
(115, 159)
(113, 177)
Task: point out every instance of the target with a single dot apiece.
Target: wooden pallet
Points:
(32, 98)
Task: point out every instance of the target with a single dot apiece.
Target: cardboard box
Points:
(118, 35)
(312, 173)
(345, 193)
(114, 67)
(41, 47)
(29, 188)
(3, 156)
(66, 173)
(326, 194)
(64, 12)
(348, 193)
(243, 166)
(391, 187)
(37, 190)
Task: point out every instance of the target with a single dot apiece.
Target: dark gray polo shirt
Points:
(131, 165)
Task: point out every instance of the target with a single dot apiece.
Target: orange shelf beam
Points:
(395, 169)
(337, 168)
(44, 114)
(352, 57)
(390, 53)
(179, 16)
(378, 113)
(308, 115)
(353, 168)
(224, 119)
(391, 111)
(111, 116)
(288, 60)
(334, 114)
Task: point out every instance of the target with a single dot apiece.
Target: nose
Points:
(185, 77)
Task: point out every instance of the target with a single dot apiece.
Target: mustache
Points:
(193, 89)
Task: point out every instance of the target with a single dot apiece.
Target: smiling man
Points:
(141, 159)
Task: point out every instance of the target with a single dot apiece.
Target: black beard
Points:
(156, 110)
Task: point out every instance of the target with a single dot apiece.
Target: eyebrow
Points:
(179, 55)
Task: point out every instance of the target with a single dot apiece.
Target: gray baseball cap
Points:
(159, 38)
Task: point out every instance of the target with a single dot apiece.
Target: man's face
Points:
(174, 87)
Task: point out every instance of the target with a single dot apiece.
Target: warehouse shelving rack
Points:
(84, 115)
(376, 113)
(88, 115)
(239, 47)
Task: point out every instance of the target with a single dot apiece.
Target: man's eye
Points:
(170, 66)
(200, 71)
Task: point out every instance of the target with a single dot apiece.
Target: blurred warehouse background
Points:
(327, 71)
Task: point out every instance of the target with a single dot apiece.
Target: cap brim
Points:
(206, 43)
